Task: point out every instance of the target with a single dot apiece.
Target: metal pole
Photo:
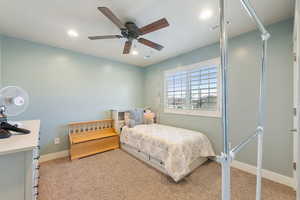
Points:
(224, 65)
(239, 147)
(251, 11)
(227, 156)
(261, 122)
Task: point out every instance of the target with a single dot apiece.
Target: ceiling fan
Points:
(131, 31)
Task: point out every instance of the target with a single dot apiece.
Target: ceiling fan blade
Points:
(162, 23)
(127, 47)
(150, 44)
(105, 37)
(110, 15)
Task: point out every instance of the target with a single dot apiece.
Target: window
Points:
(194, 89)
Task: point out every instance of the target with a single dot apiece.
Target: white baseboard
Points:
(53, 156)
(278, 178)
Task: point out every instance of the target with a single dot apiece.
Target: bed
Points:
(174, 151)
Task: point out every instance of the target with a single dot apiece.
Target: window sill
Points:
(214, 114)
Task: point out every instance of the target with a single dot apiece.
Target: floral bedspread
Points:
(176, 147)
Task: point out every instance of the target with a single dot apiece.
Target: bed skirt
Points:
(159, 164)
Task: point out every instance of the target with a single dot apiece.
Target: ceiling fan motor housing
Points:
(131, 32)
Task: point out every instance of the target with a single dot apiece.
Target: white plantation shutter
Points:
(193, 88)
(177, 90)
(203, 88)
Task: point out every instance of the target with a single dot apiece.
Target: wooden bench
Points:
(88, 138)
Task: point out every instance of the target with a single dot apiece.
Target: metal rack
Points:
(228, 154)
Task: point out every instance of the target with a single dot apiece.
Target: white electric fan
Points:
(13, 101)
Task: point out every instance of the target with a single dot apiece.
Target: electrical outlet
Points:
(56, 140)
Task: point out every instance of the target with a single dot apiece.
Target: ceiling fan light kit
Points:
(131, 31)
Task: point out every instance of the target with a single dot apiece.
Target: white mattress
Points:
(176, 147)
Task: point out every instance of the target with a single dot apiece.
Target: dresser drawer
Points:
(94, 146)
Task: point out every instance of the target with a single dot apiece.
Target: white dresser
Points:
(19, 169)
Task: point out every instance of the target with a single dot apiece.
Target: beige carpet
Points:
(115, 175)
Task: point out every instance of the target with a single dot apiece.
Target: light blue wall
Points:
(65, 86)
(245, 51)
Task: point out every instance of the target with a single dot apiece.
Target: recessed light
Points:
(72, 33)
(206, 14)
(135, 52)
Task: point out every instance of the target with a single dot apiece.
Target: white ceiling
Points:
(48, 21)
